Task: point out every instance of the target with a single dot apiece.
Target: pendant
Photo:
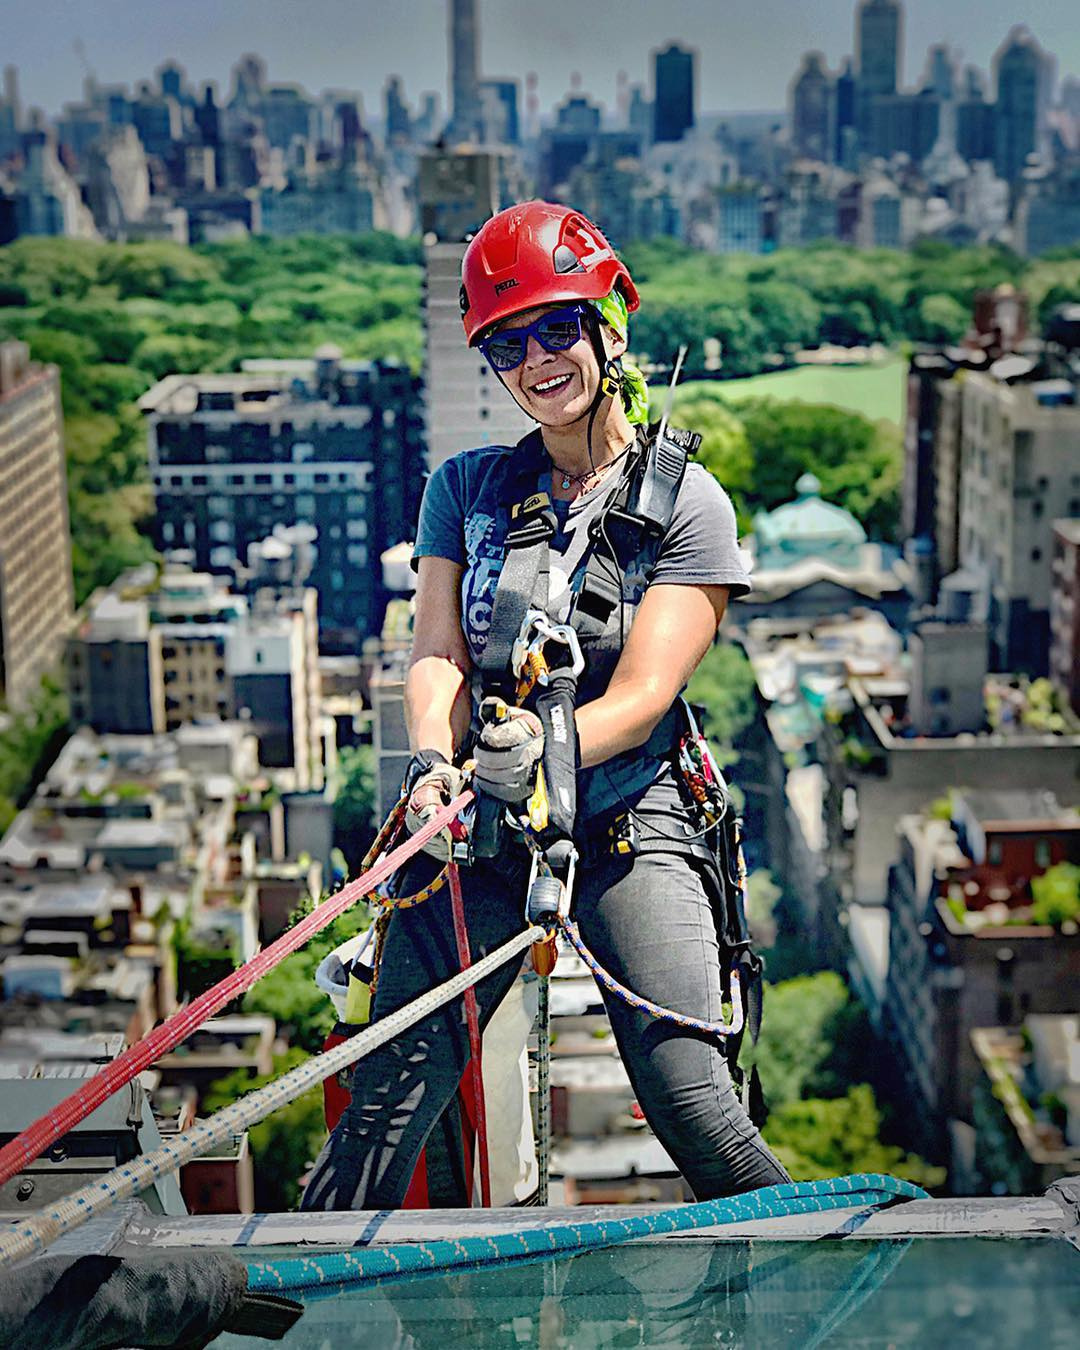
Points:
(565, 481)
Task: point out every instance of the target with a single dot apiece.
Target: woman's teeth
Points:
(550, 386)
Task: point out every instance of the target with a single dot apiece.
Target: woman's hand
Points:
(436, 687)
(434, 788)
(673, 629)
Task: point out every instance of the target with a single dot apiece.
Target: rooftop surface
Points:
(924, 1272)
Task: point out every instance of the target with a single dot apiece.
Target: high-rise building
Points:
(47, 198)
(9, 112)
(1022, 75)
(1020, 450)
(940, 77)
(1065, 611)
(464, 72)
(673, 109)
(330, 444)
(844, 117)
(878, 37)
(567, 144)
(117, 181)
(466, 404)
(904, 124)
(396, 116)
(878, 26)
(499, 112)
(36, 595)
(810, 98)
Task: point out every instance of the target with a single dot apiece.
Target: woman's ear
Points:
(614, 342)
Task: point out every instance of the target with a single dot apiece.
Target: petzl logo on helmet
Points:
(501, 286)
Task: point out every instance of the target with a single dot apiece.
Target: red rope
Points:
(472, 1021)
(36, 1138)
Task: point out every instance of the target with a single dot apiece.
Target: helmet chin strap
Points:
(608, 371)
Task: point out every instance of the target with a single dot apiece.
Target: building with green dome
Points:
(812, 558)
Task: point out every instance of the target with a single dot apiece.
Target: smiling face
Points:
(556, 389)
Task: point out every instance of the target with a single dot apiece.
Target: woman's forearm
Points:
(436, 705)
(621, 719)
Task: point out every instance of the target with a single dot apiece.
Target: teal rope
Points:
(401, 1259)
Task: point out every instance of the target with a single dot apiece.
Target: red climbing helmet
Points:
(536, 254)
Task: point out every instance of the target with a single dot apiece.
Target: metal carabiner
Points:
(536, 631)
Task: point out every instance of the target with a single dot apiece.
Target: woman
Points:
(547, 302)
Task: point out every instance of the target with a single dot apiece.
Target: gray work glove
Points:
(507, 754)
(431, 790)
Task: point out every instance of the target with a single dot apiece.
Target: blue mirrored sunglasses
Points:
(555, 331)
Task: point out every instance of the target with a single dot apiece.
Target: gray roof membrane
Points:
(1056, 1214)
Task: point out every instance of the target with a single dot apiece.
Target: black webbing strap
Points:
(523, 580)
(523, 585)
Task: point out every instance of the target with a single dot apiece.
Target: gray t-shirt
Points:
(465, 515)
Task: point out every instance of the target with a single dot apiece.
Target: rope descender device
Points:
(548, 895)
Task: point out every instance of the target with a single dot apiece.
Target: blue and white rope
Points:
(609, 982)
(403, 1259)
(34, 1234)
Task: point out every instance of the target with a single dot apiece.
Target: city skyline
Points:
(745, 63)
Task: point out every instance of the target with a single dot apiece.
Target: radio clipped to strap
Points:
(642, 508)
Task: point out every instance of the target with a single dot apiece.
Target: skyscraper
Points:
(464, 71)
(673, 111)
(1022, 76)
(36, 600)
(844, 122)
(810, 96)
(877, 45)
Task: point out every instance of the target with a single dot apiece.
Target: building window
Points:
(939, 694)
(994, 853)
(1036, 555)
(1042, 853)
(1037, 509)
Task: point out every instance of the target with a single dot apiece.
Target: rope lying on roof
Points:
(34, 1234)
(36, 1138)
(389, 1262)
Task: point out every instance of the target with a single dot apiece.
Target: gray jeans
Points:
(649, 922)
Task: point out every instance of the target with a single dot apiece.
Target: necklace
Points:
(583, 478)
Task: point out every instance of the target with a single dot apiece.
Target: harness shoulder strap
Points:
(523, 580)
(642, 506)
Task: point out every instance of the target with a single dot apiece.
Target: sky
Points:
(748, 49)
